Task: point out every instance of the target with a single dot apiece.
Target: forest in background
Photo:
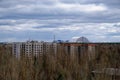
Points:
(60, 66)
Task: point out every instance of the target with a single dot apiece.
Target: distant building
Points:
(82, 40)
(32, 48)
(37, 48)
(80, 50)
(16, 48)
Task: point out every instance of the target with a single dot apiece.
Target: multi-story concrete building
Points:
(33, 48)
(37, 48)
(16, 48)
(80, 50)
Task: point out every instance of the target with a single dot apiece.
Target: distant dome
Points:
(82, 40)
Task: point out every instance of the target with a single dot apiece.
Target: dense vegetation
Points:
(60, 66)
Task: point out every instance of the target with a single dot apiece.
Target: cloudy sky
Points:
(98, 20)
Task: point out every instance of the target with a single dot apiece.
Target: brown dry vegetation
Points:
(60, 66)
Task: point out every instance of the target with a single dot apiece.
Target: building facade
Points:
(33, 48)
(30, 48)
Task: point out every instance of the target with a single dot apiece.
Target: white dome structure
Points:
(82, 40)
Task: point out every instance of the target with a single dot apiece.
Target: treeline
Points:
(60, 66)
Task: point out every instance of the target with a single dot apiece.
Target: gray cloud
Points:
(98, 19)
(49, 8)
